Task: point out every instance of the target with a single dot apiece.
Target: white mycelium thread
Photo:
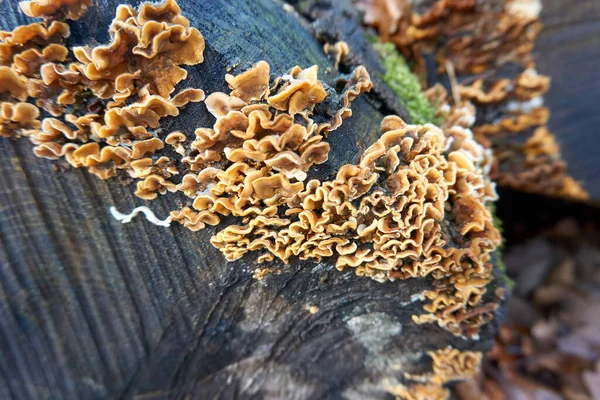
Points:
(148, 213)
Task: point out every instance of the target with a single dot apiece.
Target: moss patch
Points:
(405, 84)
(498, 253)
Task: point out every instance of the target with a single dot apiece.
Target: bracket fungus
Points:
(448, 365)
(527, 153)
(137, 71)
(337, 52)
(55, 9)
(473, 35)
(13, 85)
(18, 118)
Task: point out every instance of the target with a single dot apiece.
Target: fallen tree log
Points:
(92, 308)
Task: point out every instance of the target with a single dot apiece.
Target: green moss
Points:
(497, 221)
(370, 37)
(498, 253)
(405, 84)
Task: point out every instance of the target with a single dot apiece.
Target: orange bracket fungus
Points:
(476, 35)
(448, 365)
(55, 9)
(337, 51)
(535, 165)
(109, 96)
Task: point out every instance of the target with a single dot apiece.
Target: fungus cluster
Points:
(473, 35)
(337, 52)
(419, 391)
(527, 153)
(448, 365)
(475, 39)
(55, 9)
(254, 159)
(109, 96)
(414, 206)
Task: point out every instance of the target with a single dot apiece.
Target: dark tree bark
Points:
(567, 50)
(91, 308)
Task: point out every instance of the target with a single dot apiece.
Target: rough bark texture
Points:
(90, 308)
